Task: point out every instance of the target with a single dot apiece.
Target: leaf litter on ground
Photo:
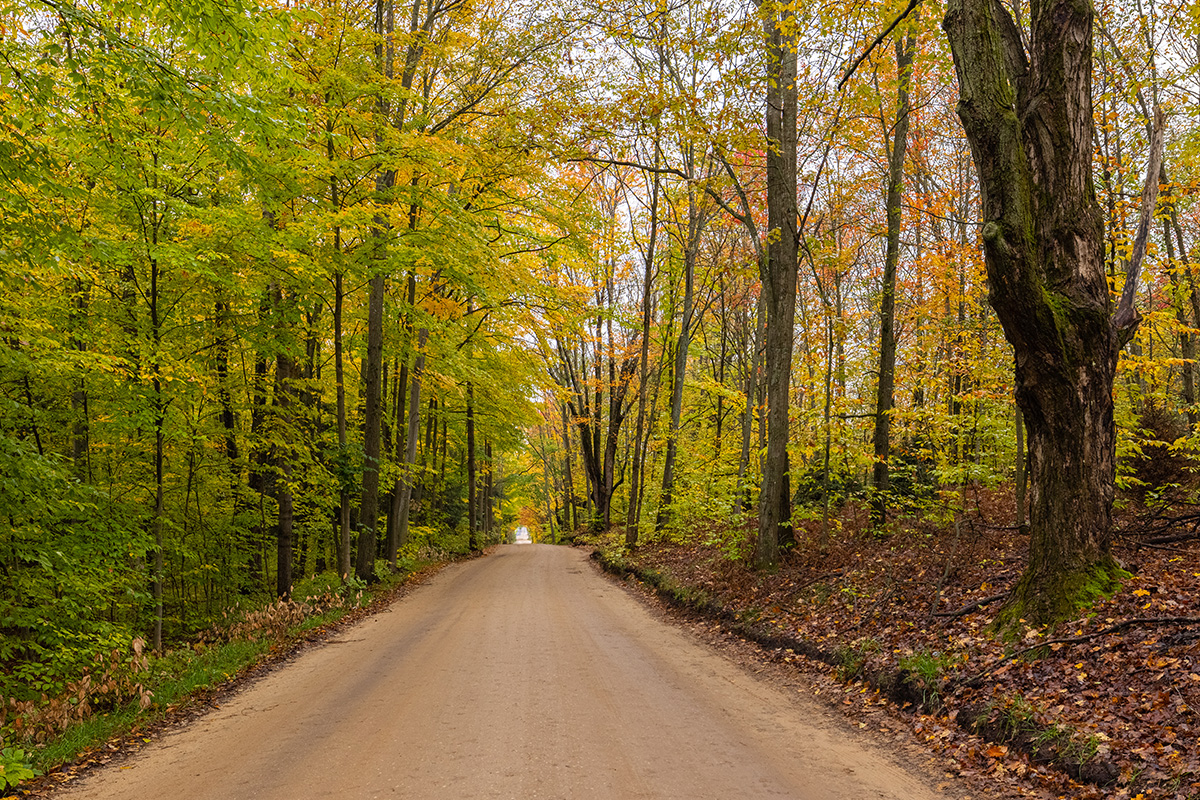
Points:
(1102, 706)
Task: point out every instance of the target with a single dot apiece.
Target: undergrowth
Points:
(123, 692)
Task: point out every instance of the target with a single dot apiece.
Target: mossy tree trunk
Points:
(1028, 116)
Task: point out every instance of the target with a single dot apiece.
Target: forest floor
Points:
(1104, 705)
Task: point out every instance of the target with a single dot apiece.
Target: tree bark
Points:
(754, 364)
(405, 483)
(228, 419)
(489, 520)
(599, 448)
(1022, 477)
(569, 520)
(1029, 120)
(696, 222)
(472, 477)
(369, 508)
(884, 400)
(633, 515)
(1187, 342)
(406, 458)
(373, 365)
(779, 277)
(284, 373)
(343, 527)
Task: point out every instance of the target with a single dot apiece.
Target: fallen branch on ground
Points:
(1087, 637)
(967, 609)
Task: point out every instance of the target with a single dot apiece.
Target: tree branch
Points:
(967, 609)
(912, 4)
(1126, 319)
(1087, 637)
(1015, 57)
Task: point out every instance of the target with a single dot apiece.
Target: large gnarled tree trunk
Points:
(1028, 117)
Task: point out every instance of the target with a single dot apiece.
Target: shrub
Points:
(114, 679)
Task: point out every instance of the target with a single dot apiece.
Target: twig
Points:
(870, 612)
(837, 573)
(1087, 637)
(967, 609)
(1163, 547)
(1168, 539)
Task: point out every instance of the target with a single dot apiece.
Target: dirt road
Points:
(522, 675)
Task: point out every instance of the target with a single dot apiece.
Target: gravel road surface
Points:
(525, 674)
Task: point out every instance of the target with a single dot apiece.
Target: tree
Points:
(778, 272)
(887, 304)
(373, 368)
(688, 233)
(1028, 116)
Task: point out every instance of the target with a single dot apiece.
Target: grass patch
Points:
(851, 658)
(177, 675)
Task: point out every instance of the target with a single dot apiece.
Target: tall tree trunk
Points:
(569, 521)
(1022, 477)
(258, 478)
(427, 490)
(599, 449)
(472, 477)
(1187, 341)
(884, 400)
(828, 421)
(400, 393)
(633, 515)
(284, 375)
(402, 491)
(1192, 293)
(752, 370)
(343, 528)
(546, 490)
(722, 363)
(696, 223)
(1029, 120)
(779, 277)
(373, 365)
(228, 419)
(489, 520)
(369, 507)
(404, 488)
(156, 637)
(160, 418)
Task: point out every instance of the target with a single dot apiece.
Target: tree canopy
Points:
(327, 285)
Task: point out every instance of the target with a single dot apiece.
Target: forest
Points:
(316, 292)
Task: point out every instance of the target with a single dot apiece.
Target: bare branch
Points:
(1127, 317)
(912, 4)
